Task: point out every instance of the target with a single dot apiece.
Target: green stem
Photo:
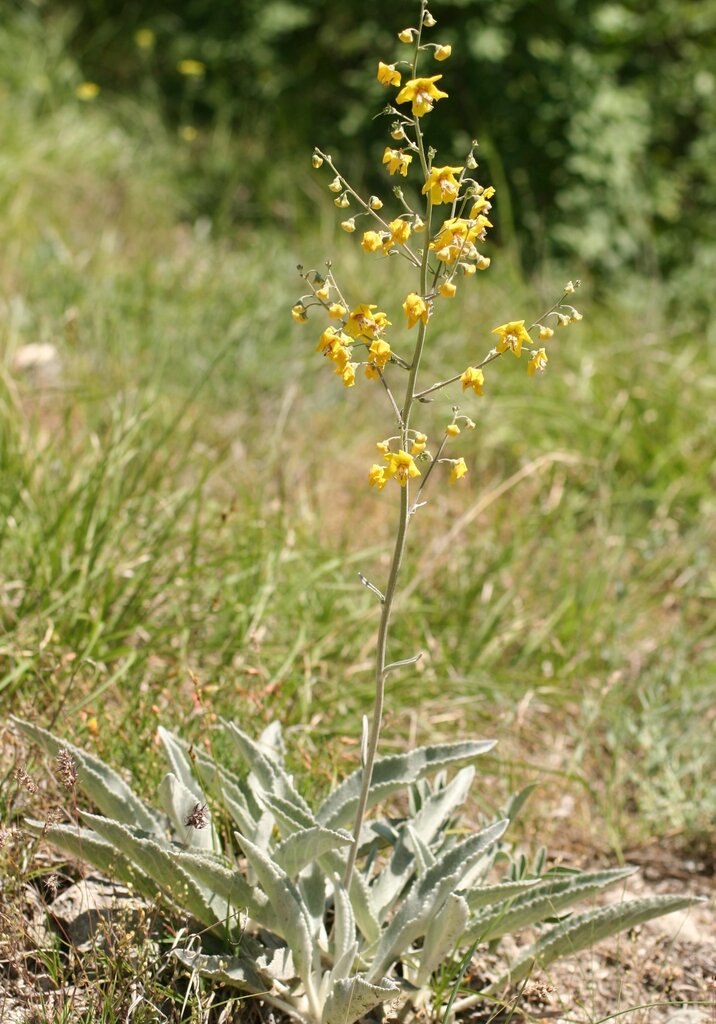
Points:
(398, 550)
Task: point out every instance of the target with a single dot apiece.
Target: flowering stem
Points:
(398, 549)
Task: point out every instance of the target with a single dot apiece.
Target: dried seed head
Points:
(52, 883)
(25, 780)
(198, 817)
(66, 769)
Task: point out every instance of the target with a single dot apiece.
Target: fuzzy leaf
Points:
(428, 895)
(547, 898)
(286, 902)
(158, 859)
(312, 885)
(360, 896)
(235, 971)
(176, 752)
(425, 824)
(178, 802)
(351, 998)
(229, 791)
(104, 787)
(344, 926)
(300, 848)
(87, 846)
(393, 773)
(485, 895)
(268, 773)
(289, 818)
(229, 884)
(442, 935)
(586, 929)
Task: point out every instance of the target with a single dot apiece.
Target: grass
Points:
(184, 510)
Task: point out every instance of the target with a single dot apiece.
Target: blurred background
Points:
(184, 508)
(597, 120)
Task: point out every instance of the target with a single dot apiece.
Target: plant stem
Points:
(398, 549)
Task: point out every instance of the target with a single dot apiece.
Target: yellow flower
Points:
(512, 335)
(401, 466)
(379, 353)
(335, 185)
(448, 289)
(323, 292)
(316, 161)
(383, 446)
(349, 225)
(364, 323)
(298, 312)
(348, 373)
(333, 344)
(377, 477)
(145, 39)
(87, 91)
(406, 36)
(454, 239)
(422, 93)
(441, 185)
(473, 378)
(459, 469)
(375, 203)
(342, 202)
(387, 75)
(452, 430)
(419, 442)
(371, 241)
(372, 372)
(399, 231)
(442, 52)
(538, 362)
(336, 311)
(191, 68)
(415, 309)
(397, 161)
(545, 333)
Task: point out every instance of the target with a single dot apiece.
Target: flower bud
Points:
(418, 224)
(471, 162)
(406, 36)
(323, 292)
(336, 185)
(448, 289)
(349, 225)
(375, 203)
(442, 52)
(562, 320)
(576, 316)
(483, 262)
(397, 131)
(545, 333)
(317, 160)
(428, 20)
(468, 269)
(452, 430)
(569, 288)
(342, 202)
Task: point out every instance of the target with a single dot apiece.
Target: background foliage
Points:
(596, 119)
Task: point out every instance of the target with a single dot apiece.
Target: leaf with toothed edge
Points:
(392, 774)
(105, 788)
(583, 931)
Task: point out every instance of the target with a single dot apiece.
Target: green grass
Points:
(186, 504)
